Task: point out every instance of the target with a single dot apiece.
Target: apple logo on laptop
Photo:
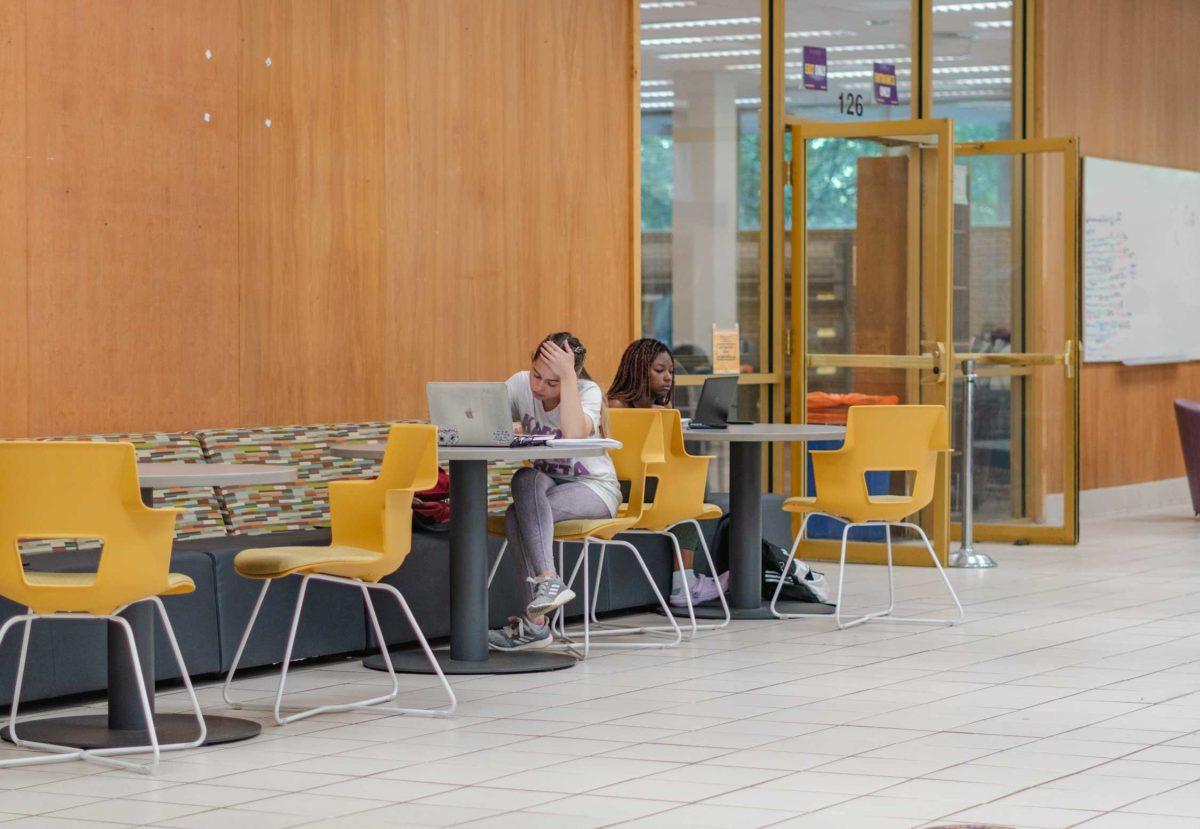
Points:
(470, 414)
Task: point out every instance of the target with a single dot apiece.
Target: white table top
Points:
(767, 433)
(374, 451)
(165, 475)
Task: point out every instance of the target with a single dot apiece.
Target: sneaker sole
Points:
(537, 644)
(542, 609)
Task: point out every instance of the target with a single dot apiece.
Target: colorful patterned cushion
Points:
(304, 504)
(499, 478)
(202, 516)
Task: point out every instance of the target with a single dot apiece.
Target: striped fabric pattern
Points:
(254, 510)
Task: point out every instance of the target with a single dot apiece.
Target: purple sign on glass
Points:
(885, 84)
(815, 73)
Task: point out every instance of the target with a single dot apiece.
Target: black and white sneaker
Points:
(519, 634)
(549, 593)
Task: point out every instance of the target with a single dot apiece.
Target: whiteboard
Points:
(1141, 263)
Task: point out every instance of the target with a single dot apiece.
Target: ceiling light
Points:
(979, 81)
(993, 24)
(665, 93)
(965, 70)
(859, 47)
(658, 104)
(669, 4)
(730, 53)
(684, 41)
(822, 33)
(657, 83)
(689, 24)
(990, 6)
(747, 102)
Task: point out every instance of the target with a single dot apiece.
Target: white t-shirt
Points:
(597, 472)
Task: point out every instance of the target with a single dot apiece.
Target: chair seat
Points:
(895, 507)
(582, 528)
(276, 562)
(177, 583)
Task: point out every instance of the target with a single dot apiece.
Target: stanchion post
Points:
(966, 556)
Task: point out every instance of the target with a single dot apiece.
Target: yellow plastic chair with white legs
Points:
(898, 439)
(371, 523)
(87, 490)
(678, 499)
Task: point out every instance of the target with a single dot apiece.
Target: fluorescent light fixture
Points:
(980, 81)
(966, 70)
(989, 6)
(822, 33)
(665, 93)
(747, 102)
(993, 24)
(695, 24)
(657, 83)
(658, 104)
(684, 41)
(728, 53)
(857, 47)
(669, 4)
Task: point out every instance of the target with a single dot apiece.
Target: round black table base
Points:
(498, 662)
(713, 610)
(92, 731)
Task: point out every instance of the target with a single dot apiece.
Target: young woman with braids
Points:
(646, 379)
(554, 397)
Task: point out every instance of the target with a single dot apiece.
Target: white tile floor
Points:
(1071, 697)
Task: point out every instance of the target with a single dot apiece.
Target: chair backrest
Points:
(376, 515)
(640, 432)
(681, 479)
(906, 439)
(1187, 418)
(81, 490)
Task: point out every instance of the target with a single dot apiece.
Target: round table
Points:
(124, 724)
(745, 512)
(469, 652)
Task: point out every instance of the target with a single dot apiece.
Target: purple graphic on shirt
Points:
(560, 468)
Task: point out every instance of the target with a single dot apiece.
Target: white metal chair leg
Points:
(102, 756)
(378, 703)
(496, 564)
(945, 578)
(657, 594)
(237, 655)
(792, 555)
(712, 568)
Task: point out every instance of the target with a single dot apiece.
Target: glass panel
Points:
(751, 405)
(701, 173)
(854, 36)
(972, 67)
(1018, 414)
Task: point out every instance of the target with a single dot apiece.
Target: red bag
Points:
(431, 508)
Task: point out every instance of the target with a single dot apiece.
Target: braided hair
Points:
(561, 338)
(632, 384)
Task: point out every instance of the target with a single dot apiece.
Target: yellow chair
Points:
(678, 499)
(372, 535)
(640, 433)
(87, 490)
(905, 439)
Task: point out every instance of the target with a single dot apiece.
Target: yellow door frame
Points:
(1026, 363)
(930, 360)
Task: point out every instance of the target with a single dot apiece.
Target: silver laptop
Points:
(474, 414)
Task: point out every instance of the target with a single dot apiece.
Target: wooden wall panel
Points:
(508, 162)
(312, 289)
(132, 214)
(1143, 110)
(14, 358)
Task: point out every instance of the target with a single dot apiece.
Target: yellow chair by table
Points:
(372, 535)
(904, 439)
(87, 490)
(640, 433)
(678, 499)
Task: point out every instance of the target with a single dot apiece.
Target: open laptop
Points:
(475, 414)
(716, 400)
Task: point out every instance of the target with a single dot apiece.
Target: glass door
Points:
(1016, 319)
(870, 295)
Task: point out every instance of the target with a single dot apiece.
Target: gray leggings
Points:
(538, 502)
